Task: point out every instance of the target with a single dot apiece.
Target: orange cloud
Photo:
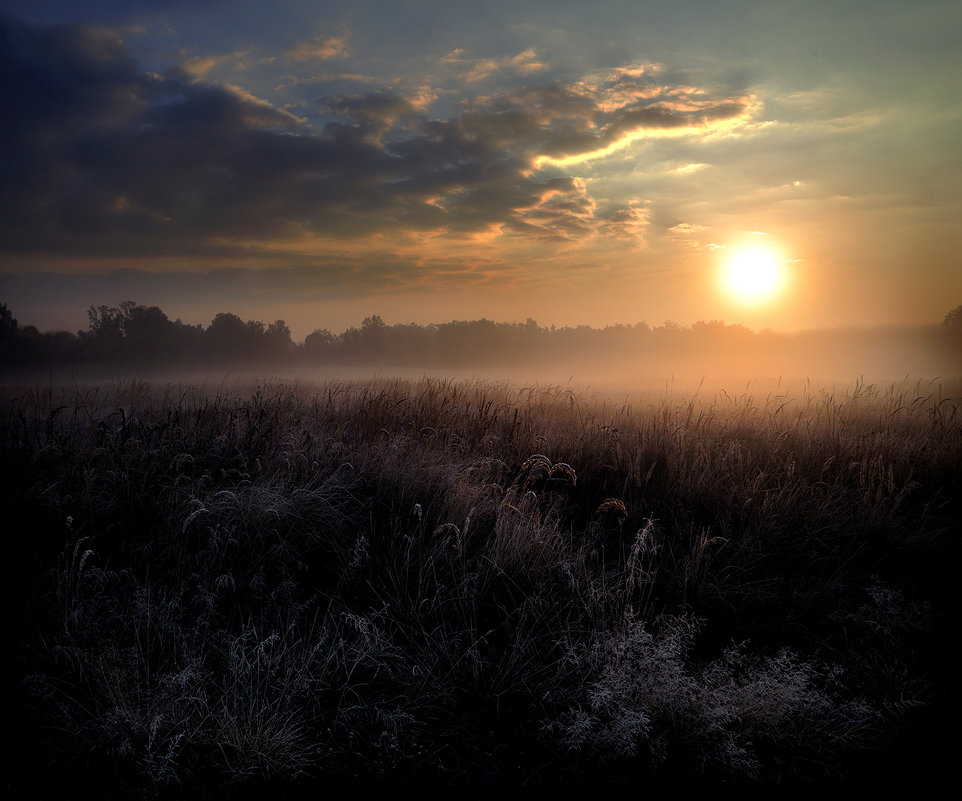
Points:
(524, 63)
(198, 66)
(321, 48)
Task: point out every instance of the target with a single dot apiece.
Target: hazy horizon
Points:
(76, 320)
(140, 343)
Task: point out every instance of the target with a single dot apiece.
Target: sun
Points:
(752, 275)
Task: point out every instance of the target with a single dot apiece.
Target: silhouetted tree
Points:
(8, 336)
(414, 344)
(229, 337)
(59, 347)
(320, 344)
(369, 342)
(953, 320)
(952, 328)
(148, 333)
(144, 335)
(277, 340)
(473, 342)
(373, 336)
(8, 323)
(105, 333)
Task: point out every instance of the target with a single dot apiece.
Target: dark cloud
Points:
(99, 157)
(376, 110)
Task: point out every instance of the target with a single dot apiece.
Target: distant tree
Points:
(60, 347)
(8, 323)
(105, 333)
(953, 320)
(277, 340)
(189, 340)
(148, 333)
(30, 346)
(413, 344)
(8, 335)
(529, 338)
(225, 321)
(952, 328)
(374, 338)
(670, 337)
(350, 341)
(320, 343)
(474, 342)
(131, 331)
(228, 336)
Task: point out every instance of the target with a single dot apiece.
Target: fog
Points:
(829, 366)
(134, 342)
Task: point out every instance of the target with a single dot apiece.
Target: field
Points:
(441, 584)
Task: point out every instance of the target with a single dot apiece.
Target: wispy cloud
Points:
(288, 81)
(628, 224)
(524, 63)
(686, 229)
(199, 66)
(690, 167)
(321, 48)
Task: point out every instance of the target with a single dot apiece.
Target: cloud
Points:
(197, 67)
(690, 167)
(288, 81)
(564, 211)
(686, 229)
(321, 48)
(252, 100)
(637, 103)
(524, 63)
(105, 159)
(375, 113)
(628, 224)
(566, 125)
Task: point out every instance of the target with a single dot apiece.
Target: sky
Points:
(576, 163)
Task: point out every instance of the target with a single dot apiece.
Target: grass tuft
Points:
(459, 583)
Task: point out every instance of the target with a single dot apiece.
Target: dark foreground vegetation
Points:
(436, 585)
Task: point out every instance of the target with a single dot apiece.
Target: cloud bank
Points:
(103, 158)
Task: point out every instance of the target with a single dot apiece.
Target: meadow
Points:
(465, 584)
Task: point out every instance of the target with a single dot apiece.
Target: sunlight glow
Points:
(752, 275)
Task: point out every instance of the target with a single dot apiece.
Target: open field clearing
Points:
(465, 583)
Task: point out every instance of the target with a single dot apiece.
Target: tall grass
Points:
(461, 583)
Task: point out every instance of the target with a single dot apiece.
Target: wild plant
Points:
(447, 580)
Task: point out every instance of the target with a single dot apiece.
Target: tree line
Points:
(137, 335)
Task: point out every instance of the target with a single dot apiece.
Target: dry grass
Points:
(468, 582)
